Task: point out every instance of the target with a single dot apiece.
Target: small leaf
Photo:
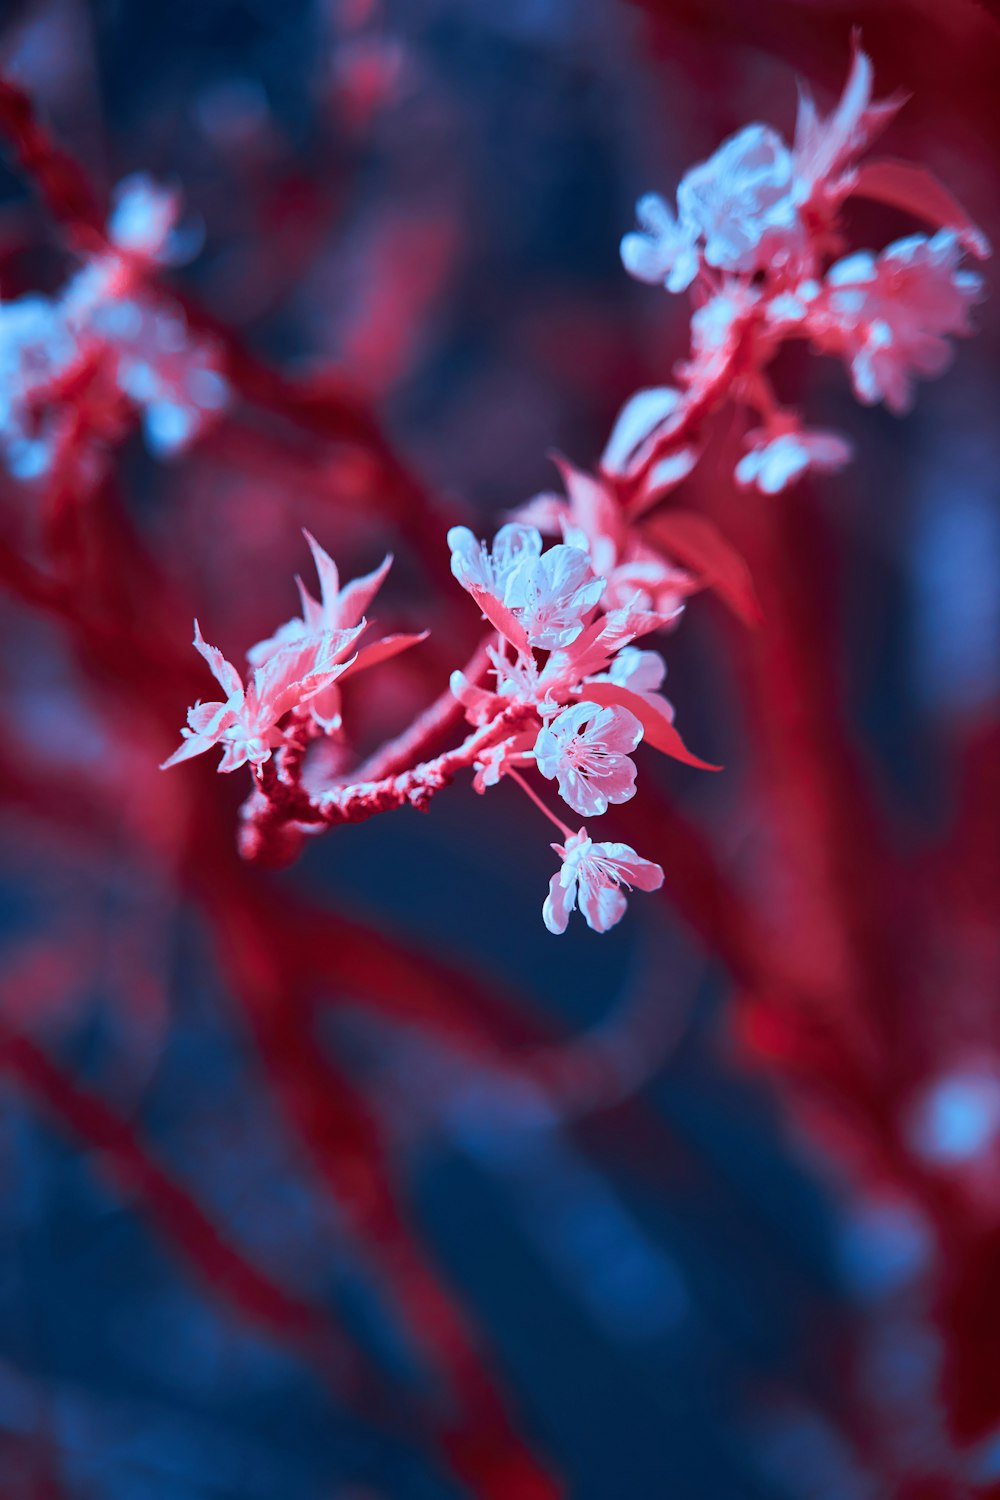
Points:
(653, 712)
(694, 542)
(915, 190)
(390, 645)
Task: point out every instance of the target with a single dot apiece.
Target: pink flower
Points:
(143, 220)
(337, 609)
(716, 330)
(776, 460)
(552, 595)
(586, 749)
(646, 418)
(642, 671)
(246, 724)
(825, 151)
(890, 314)
(637, 577)
(596, 873)
(477, 567)
(594, 651)
(742, 203)
(496, 760)
(756, 205)
(664, 251)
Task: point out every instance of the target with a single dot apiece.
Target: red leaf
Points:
(916, 191)
(379, 651)
(694, 542)
(654, 715)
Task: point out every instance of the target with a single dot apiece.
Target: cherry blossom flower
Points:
(246, 723)
(552, 594)
(756, 204)
(825, 152)
(143, 356)
(637, 576)
(716, 330)
(663, 251)
(143, 220)
(533, 600)
(776, 459)
(36, 350)
(337, 609)
(642, 671)
(496, 760)
(646, 418)
(586, 750)
(595, 875)
(890, 314)
(478, 567)
(742, 203)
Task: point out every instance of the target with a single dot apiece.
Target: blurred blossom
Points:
(958, 1117)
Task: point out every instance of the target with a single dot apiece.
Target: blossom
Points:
(645, 419)
(246, 722)
(642, 671)
(552, 594)
(890, 314)
(495, 760)
(586, 749)
(105, 317)
(638, 577)
(775, 460)
(337, 610)
(738, 211)
(36, 350)
(742, 202)
(143, 219)
(594, 874)
(825, 151)
(478, 567)
(757, 204)
(664, 250)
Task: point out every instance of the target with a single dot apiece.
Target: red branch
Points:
(270, 1307)
(280, 802)
(62, 184)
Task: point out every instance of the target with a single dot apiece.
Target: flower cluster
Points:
(107, 335)
(562, 691)
(565, 689)
(293, 686)
(567, 657)
(756, 236)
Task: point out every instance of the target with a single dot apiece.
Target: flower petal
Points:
(558, 904)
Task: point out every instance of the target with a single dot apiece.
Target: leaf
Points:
(653, 712)
(390, 645)
(915, 190)
(698, 545)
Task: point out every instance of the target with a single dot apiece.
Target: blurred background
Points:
(348, 1181)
